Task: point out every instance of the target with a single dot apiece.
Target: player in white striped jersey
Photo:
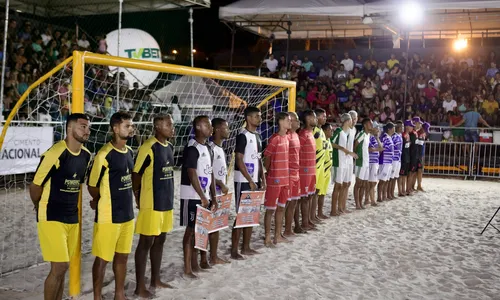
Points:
(221, 133)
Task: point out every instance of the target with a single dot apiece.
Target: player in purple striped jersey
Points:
(385, 162)
(374, 148)
(397, 140)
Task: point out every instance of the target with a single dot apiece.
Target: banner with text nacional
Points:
(22, 148)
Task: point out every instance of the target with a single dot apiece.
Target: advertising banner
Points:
(249, 209)
(22, 148)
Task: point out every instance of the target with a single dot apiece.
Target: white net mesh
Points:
(21, 265)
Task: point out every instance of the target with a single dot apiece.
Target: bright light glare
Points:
(460, 44)
(194, 50)
(411, 13)
(174, 51)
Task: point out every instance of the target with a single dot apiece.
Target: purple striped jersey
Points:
(373, 155)
(388, 153)
(397, 140)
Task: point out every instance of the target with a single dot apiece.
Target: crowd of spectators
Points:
(438, 89)
(32, 51)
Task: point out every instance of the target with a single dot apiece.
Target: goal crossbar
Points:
(81, 59)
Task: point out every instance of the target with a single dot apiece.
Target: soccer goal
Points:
(100, 85)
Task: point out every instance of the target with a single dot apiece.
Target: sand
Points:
(420, 247)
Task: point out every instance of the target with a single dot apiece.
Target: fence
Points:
(462, 159)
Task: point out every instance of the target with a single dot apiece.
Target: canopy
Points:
(196, 92)
(356, 18)
(59, 8)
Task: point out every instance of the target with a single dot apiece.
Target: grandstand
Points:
(39, 75)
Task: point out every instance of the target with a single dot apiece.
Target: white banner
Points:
(22, 148)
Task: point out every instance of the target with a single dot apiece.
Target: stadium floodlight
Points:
(460, 44)
(194, 50)
(174, 52)
(411, 13)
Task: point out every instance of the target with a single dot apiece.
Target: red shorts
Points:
(276, 195)
(307, 185)
(294, 189)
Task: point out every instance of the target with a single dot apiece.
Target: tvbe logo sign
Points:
(143, 53)
(135, 44)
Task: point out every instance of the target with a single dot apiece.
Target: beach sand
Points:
(421, 247)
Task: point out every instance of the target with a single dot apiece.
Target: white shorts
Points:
(385, 172)
(396, 167)
(373, 172)
(348, 175)
(338, 174)
(363, 173)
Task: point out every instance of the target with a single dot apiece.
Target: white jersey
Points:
(203, 170)
(249, 144)
(219, 165)
(343, 158)
(350, 144)
(363, 139)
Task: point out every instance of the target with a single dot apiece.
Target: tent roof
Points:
(347, 18)
(59, 8)
(196, 92)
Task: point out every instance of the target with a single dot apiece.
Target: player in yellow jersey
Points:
(153, 184)
(110, 185)
(321, 182)
(327, 169)
(54, 192)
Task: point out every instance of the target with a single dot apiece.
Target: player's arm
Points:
(263, 184)
(241, 143)
(482, 121)
(270, 150)
(48, 161)
(142, 161)
(96, 173)
(191, 161)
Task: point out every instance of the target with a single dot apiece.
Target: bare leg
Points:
(321, 204)
(247, 236)
(120, 270)
(345, 187)
(357, 194)
(155, 255)
(379, 191)
(336, 199)
(278, 224)
(400, 186)
(420, 174)
(289, 217)
(373, 185)
(54, 284)
(304, 206)
(98, 271)
(235, 240)
(187, 246)
(141, 256)
(296, 218)
(214, 244)
(267, 227)
(312, 209)
(204, 259)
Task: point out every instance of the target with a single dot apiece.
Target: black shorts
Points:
(405, 169)
(417, 165)
(188, 212)
(238, 188)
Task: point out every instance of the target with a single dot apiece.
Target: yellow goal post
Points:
(198, 91)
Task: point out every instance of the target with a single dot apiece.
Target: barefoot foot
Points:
(190, 275)
(248, 251)
(160, 285)
(237, 256)
(143, 293)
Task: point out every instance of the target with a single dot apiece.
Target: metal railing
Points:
(462, 159)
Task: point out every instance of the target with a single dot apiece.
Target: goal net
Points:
(101, 85)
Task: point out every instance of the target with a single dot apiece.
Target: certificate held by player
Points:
(249, 209)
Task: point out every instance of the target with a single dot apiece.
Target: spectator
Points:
(83, 43)
(392, 61)
(296, 62)
(341, 75)
(430, 92)
(490, 108)
(449, 104)
(347, 62)
(306, 64)
(382, 69)
(271, 63)
(326, 72)
(368, 92)
(470, 120)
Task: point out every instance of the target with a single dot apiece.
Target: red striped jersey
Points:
(307, 153)
(294, 156)
(277, 151)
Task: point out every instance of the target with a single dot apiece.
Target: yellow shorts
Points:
(111, 238)
(323, 183)
(58, 241)
(320, 173)
(153, 223)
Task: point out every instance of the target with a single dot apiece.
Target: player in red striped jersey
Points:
(307, 169)
(291, 213)
(277, 173)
